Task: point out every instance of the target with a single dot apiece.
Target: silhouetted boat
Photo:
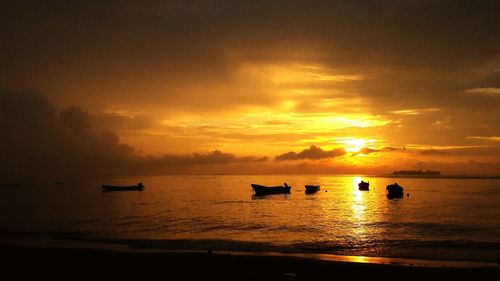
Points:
(265, 190)
(311, 188)
(395, 191)
(364, 185)
(138, 187)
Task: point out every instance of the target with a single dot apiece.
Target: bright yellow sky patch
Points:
(352, 144)
(296, 73)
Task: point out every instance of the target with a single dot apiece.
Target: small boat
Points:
(266, 190)
(364, 185)
(138, 187)
(395, 191)
(311, 188)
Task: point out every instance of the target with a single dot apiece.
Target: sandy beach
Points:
(58, 262)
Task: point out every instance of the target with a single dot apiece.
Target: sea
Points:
(437, 219)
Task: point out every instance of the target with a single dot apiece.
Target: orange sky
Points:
(236, 87)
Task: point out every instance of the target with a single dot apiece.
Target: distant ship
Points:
(417, 173)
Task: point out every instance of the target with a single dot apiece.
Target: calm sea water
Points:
(450, 219)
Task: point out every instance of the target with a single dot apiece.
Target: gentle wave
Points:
(442, 219)
(463, 250)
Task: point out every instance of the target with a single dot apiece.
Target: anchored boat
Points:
(265, 190)
(364, 185)
(138, 187)
(395, 191)
(311, 188)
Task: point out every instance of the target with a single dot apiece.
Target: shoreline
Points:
(228, 247)
(123, 262)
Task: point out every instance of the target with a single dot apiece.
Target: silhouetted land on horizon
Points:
(441, 176)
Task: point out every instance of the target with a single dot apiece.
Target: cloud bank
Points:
(38, 139)
(311, 153)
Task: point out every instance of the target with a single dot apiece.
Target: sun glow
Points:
(353, 144)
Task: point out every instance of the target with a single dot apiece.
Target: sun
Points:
(354, 145)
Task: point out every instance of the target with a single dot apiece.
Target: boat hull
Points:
(266, 190)
(122, 188)
(312, 188)
(395, 191)
(364, 186)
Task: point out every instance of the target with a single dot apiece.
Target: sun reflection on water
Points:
(355, 181)
(358, 207)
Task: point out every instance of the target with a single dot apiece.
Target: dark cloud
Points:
(436, 151)
(75, 120)
(431, 151)
(162, 59)
(214, 157)
(37, 139)
(368, 150)
(140, 51)
(311, 153)
(117, 121)
(483, 151)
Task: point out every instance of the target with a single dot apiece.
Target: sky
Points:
(340, 87)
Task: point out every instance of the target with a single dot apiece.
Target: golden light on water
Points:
(359, 259)
(358, 208)
(355, 181)
(199, 100)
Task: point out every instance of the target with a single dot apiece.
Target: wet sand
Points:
(68, 263)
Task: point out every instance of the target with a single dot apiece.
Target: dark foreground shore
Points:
(68, 263)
